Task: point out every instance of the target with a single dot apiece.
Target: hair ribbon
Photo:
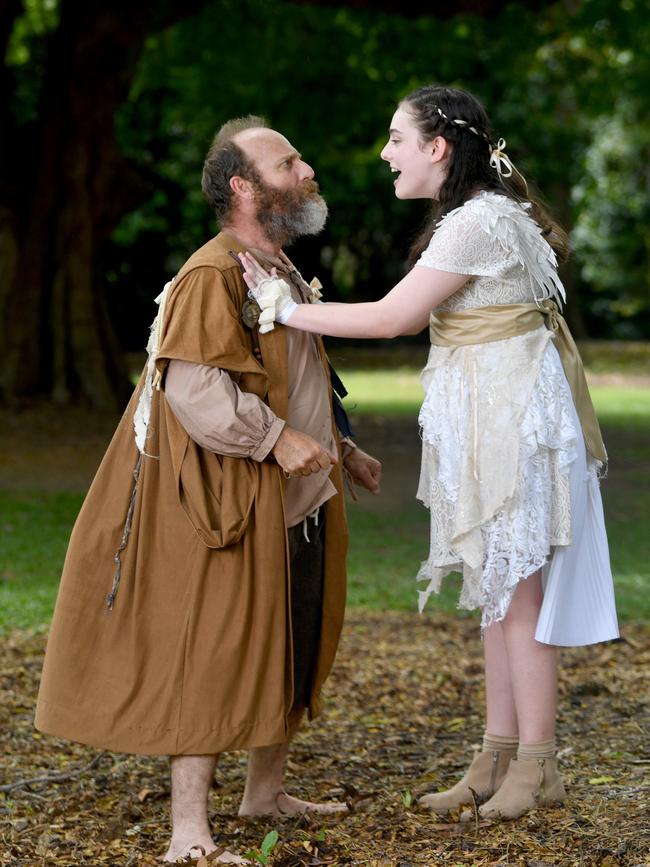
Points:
(499, 160)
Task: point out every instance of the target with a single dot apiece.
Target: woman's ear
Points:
(440, 149)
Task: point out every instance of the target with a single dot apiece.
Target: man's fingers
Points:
(300, 455)
(324, 461)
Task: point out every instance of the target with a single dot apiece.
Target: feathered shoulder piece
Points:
(521, 237)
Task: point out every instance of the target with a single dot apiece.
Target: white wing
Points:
(520, 235)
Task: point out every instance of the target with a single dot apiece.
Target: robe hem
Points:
(54, 720)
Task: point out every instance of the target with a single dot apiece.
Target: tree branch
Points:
(54, 778)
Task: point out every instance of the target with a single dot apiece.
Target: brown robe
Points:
(195, 656)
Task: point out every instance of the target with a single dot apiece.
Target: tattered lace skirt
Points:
(511, 488)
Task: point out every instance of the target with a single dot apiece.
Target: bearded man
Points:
(219, 529)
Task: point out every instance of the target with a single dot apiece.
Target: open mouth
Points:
(396, 172)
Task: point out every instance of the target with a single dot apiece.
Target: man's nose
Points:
(306, 171)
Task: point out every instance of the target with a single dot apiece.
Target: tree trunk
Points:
(9, 11)
(63, 187)
(57, 337)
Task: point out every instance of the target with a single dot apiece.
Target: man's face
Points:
(279, 164)
(289, 204)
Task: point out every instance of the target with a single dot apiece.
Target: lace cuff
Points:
(276, 304)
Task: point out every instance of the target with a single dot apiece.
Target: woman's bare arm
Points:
(404, 310)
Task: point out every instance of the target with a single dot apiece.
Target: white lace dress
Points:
(504, 468)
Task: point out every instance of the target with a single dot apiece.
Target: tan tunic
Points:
(195, 656)
(221, 418)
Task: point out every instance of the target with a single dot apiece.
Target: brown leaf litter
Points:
(404, 706)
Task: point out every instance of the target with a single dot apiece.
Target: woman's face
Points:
(421, 167)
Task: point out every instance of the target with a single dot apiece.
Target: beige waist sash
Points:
(487, 324)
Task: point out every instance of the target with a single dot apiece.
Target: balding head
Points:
(257, 182)
(254, 140)
(227, 158)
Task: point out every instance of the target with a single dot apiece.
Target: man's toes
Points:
(194, 851)
(230, 858)
(333, 807)
(288, 805)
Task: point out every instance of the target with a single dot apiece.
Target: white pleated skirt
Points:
(579, 606)
(553, 522)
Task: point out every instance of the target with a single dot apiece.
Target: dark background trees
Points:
(106, 111)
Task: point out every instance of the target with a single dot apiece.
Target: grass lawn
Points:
(387, 543)
(35, 529)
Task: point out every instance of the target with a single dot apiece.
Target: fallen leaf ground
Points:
(403, 709)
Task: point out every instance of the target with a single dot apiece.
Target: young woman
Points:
(511, 449)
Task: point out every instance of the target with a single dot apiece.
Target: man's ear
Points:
(242, 187)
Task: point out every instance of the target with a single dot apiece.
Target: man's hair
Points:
(224, 161)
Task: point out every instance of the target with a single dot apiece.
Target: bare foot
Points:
(179, 850)
(177, 854)
(286, 805)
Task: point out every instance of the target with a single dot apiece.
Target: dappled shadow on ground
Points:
(403, 708)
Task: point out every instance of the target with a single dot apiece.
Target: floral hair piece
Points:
(499, 160)
(459, 122)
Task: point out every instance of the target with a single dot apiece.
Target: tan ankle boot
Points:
(484, 775)
(529, 783)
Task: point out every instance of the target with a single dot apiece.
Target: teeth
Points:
(395, 171)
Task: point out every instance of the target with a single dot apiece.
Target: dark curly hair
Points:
(460, 118)
(224, 161)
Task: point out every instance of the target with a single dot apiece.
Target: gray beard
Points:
(286, 215)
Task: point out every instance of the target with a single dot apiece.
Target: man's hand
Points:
(299, 454)
(364, 470)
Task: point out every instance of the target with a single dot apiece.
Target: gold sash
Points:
(487, 324)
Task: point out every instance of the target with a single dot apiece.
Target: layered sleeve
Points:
(217, 414)
(462, 245)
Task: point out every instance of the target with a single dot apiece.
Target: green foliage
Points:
(263, 854)
(39, 18)
(27, 53)
(611, 233)
(566, 85)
